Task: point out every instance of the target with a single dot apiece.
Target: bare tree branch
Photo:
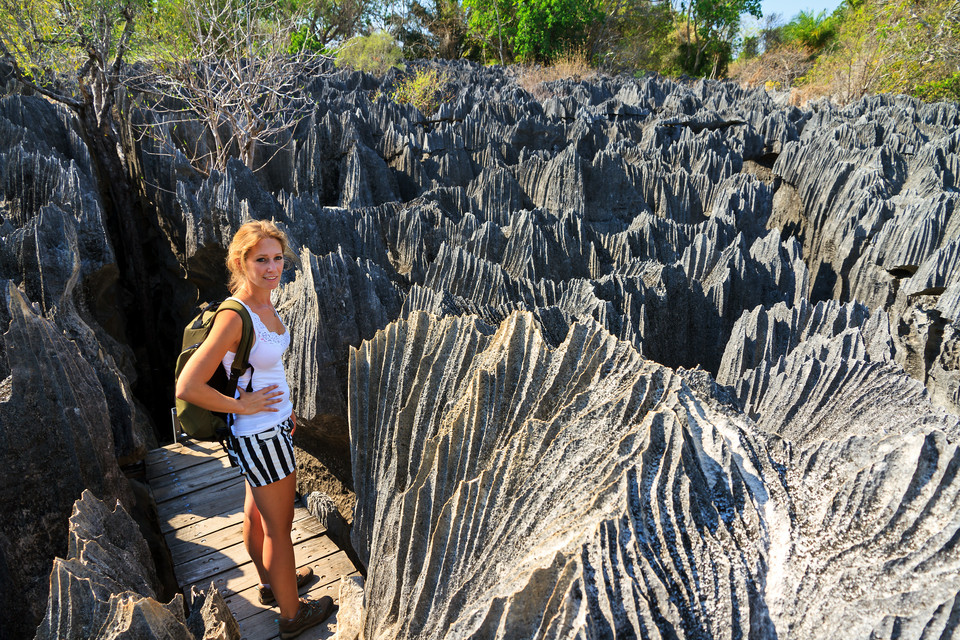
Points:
(238, 79)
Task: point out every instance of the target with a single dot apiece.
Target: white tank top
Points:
(266, 358)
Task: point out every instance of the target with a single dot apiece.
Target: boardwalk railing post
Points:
(177, 432)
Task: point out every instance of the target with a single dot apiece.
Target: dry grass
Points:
(535, 78)
(777, 69)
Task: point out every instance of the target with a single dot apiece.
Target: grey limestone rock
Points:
(496, 414)
(524, 491)
(210, 617)
(350, 612)
(821, 372)
(106, 586)
(764, 335)
(521, 269)
(209, 215)
(365, 179)
(56, 249)
(333, 303)
(55, 425)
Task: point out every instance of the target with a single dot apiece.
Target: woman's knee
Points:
(251, 513)
(278, 524)
(275, 502)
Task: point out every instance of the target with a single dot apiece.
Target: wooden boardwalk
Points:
(200, 503)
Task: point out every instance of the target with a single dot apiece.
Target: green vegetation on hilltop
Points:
(864, 47)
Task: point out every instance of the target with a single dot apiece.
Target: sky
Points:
(789, 8)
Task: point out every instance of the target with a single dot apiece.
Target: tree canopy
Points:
(70, 50)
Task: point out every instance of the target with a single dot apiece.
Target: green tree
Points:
(532, 30)
(547, 28)
(322, 23)
(438, 29)
(494, 24)
(708, 29)
(901, 46)
(426, 89)
(635, 36)
(772, 32)
(810, 30)
(71, 51)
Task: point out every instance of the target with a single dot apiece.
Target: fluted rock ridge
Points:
(812, 372)
(488, 420)
(524, 491)
(57, 441)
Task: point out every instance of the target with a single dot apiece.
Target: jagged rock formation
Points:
(787, 275)
(106, 587)
(587, 202)
(350, 611)
(56, 250)
(57, 441)
(583, 491)
(812, 370)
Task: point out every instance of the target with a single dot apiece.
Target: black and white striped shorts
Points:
(264, 457)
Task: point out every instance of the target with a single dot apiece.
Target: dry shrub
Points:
(574, 65)
(780, 68)
(854, 69)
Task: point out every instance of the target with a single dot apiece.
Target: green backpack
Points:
(196, 422)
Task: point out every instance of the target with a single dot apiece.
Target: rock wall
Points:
(775, 286)
(68, 415)
(107, 586)
(56, 441)
(584, 491)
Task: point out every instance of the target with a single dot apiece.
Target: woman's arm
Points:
(192, 384)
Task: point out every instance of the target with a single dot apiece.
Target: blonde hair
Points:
(244, 239)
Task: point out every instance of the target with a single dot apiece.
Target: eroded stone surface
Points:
(790, 263)
(582, 491)
(106, 586)
(57, 441)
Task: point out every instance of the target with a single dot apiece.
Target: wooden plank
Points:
(231, 570)
(192, 508)
(186, 546)
(176, 457)
(201, 477)
(197, 532)
(204, 568)
(168, 461)
(247, 603)
(191, 473)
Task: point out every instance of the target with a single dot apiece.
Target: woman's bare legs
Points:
(253, 534)
(274, 502)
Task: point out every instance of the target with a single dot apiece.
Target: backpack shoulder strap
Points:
(241, 361)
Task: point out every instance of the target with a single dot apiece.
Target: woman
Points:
(262, 427)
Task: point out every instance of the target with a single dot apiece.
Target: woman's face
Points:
(263, 265)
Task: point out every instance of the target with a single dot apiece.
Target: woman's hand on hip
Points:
(260, 400)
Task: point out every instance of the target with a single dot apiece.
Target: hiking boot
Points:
(303, 577)
(310, 614)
